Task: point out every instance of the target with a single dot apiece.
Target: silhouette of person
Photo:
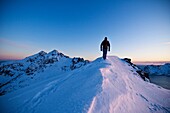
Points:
(105, 46)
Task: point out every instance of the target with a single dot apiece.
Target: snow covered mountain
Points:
(102, 86)
(156, 69)
(18, 74)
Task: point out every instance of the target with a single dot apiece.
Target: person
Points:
(105, 46)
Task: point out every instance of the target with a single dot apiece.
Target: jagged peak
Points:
(53, 52)
(57, 53)
(42, 53)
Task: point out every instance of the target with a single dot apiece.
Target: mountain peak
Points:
(53, 52)
(42, 53)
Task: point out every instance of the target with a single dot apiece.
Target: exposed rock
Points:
(144, 75)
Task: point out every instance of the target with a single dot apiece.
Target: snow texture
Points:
(102, 86)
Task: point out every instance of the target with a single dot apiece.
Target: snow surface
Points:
(102, 86)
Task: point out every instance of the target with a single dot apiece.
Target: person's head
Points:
(105, 38)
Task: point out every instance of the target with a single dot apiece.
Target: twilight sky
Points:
(138, 29)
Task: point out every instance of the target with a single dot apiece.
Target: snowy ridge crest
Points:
(123, 91)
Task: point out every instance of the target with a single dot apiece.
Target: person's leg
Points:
(104, 53)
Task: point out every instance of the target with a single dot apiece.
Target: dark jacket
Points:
(105, 45)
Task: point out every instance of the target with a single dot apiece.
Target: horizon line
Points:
(92, 60)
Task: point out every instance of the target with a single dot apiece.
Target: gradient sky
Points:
(138, 29)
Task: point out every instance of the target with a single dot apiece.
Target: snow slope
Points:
(102, 86)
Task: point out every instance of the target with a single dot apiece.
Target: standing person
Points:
(105, 46)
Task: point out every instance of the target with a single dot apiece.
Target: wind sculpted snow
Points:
(102, 86)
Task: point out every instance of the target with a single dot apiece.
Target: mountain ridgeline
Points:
(14, 74)
(159, 70)
(38, 62)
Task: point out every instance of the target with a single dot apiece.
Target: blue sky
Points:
(138, 29)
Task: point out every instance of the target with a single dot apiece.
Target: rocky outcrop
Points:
(144, 75)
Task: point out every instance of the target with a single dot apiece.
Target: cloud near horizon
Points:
(167, 43)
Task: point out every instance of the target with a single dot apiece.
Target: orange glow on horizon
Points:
(19, 56)
(11, 57)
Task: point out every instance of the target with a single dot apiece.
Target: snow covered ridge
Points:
(156, 69)
(123, 91)
(30, 66)
(102, 86)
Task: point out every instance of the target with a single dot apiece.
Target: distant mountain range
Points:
(156, 69)
(152, 63)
